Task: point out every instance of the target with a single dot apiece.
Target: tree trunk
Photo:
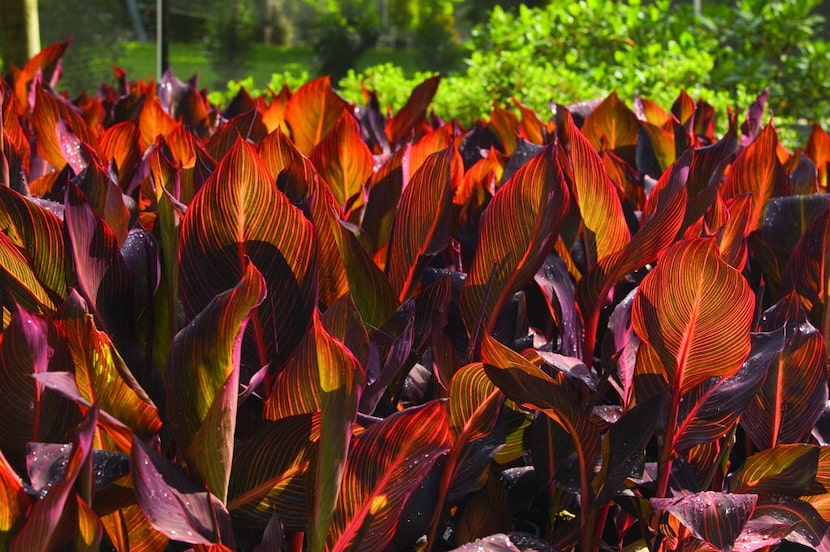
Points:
(19, 32)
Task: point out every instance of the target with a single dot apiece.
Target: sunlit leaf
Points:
(518, 229)
(385, 465)
(696, 326)
(782, 470)
(240, 213)
(174, 504)
(343, 159)
(312, 111)
(422, 224)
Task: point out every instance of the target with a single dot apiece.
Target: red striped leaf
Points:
(780, 470)
(613, 126)
(128, 529)
(270, 471)
(518, 229)
(604, 225)
(526, 384)
(101, 375)
(794, 392)
(120, 144)
(103, 278)
(386, 464)
(324, 376)
(40, 234)
(311, 113)
(818, 149)
(665, 206)
(716, 518)
(422, 224)
(202, 381)
(240, 213)
(154, 121)
(400, 128)
(47, 62)
(758, 170)
(343, 160)
(51, 114)
(16, 503)
(697, 325)
(23, 352)
(807, 271)
(105, 198)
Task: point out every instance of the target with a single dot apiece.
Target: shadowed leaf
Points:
(202, 381)
(400, 127)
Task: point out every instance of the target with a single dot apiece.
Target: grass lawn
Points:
(139, 60)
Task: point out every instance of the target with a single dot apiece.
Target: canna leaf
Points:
(422, 224)
(51, 114)
(270, 470)
(613, 126)
(175, 505)
(202, 381)
(818, 150)
(518, 230)
(605, 228)
(716, 518)
(694, 327)
(780, 470)
(120, 144)
(386, 464)
(101, 375)
(240, 213)
(40, 233)
(312, 112)
(794, 392)
(757, 169)
(15, 501)
(324, 376)
(399, 128)
(526, 384)
(23, 352)
(104, 280)
(343, 160)
(44, 528)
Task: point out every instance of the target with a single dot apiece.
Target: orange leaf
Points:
(343, 160)
(312, 111)
(693, 314)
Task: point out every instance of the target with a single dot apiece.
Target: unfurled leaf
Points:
(20, 280)
(780, 470)
(794, 392)
(716, 518)
(120, 144)
(818, 149)
(173, 503)
(711, 409)
(526, 384)
(758, 170)
(270, 470)
(105, 198)
(44, 528)
(422, 224)
(382, 197)
(386, 464)
(53, 114)
(240, 213)
(518, 230)
(23, 352)
(324, 376)
(343, 160)
(104, 280)
(47, 62)
(613, 126)
(154, 121)
(202, 381)
(15, 501)
(602, 216)
(101, 375)
(696, 326)
(247, 125)
(39, 232)
(400, 127)
(663, 216)
(312, 111)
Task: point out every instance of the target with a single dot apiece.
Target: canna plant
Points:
(301, 324)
